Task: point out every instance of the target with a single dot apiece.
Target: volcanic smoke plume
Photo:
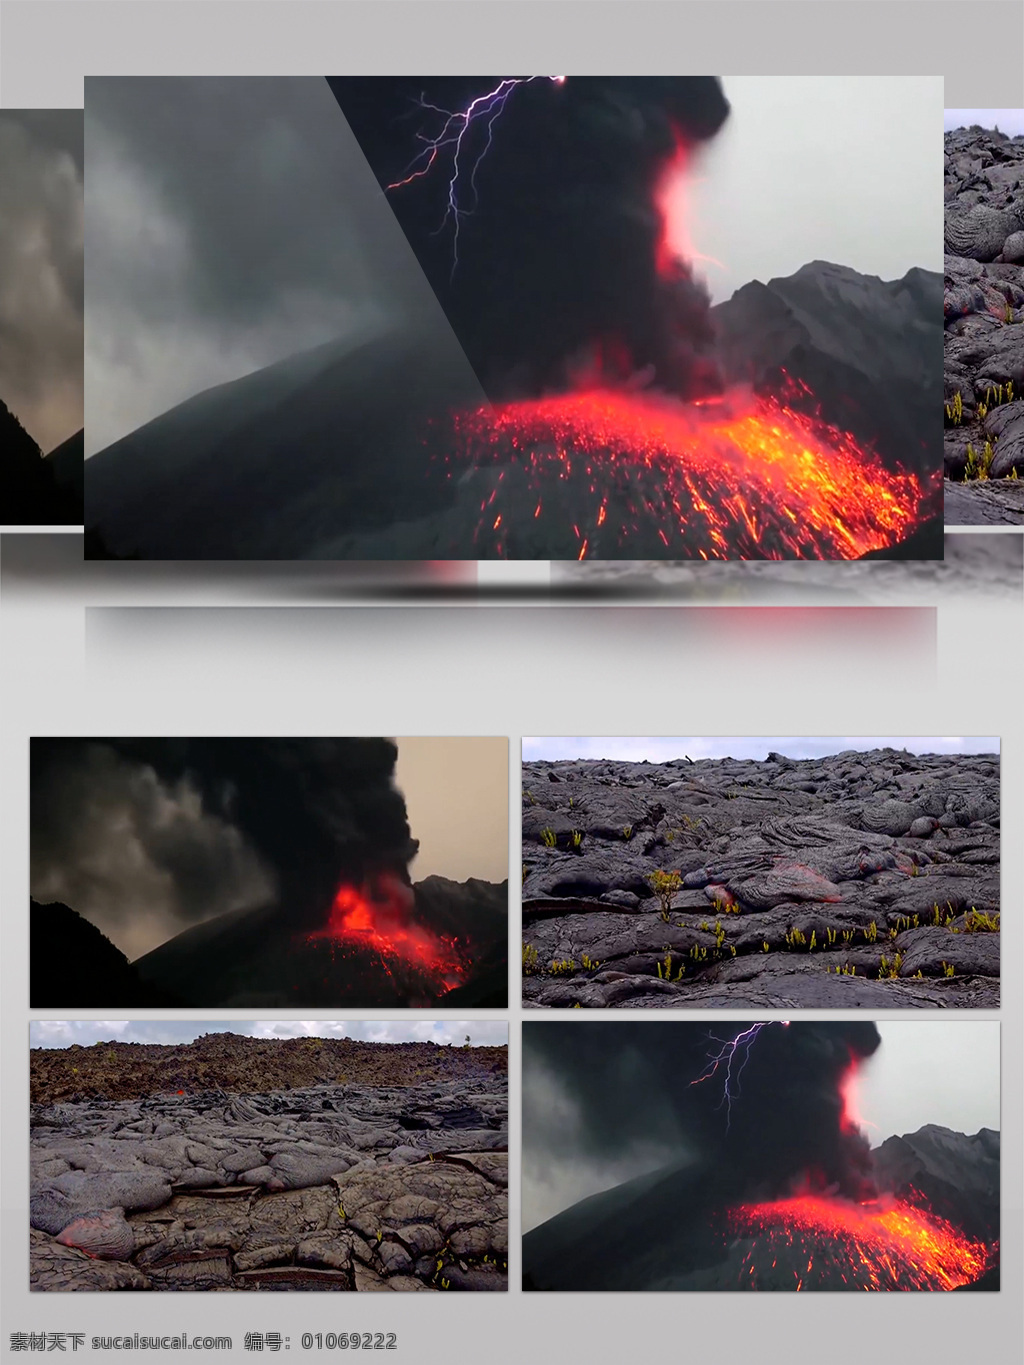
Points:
(315, 811)
(543, 244)
(548, 215)
(195, 872)
(774, 1119)
(767, 1180)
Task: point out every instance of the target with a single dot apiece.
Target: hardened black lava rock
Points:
(344, 1187)
(859, 879)
(984, 327)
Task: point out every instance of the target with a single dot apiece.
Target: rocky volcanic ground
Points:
(861, 879)
(984, 317)
(975, 565)
(390, 1182)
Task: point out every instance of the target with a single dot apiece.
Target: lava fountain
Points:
(815, 1239)
(735, 477)
(827, 1243)
(615, 467)
(377, 917)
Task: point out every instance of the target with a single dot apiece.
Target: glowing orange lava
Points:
(831, 1243)
(377, 917)
(740, 477)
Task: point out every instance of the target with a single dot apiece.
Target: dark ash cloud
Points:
(145, 837)
(558, 230)
(603, 1102)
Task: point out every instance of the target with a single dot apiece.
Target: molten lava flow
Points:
(377, 917)
(830, 1243)
(734, 478)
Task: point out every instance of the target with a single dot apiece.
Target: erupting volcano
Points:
(768, 1181)
(735, 477)
(304, 849)
(828, 1244)
(377, 918)
(507, 345)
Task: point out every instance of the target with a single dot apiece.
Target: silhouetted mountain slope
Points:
(73, 964)
(270, 465)
(32, 489)
(957, 1174)
(330, 454)
(68, 464)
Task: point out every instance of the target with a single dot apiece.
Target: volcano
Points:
(563, 389)
(686, 1227)
(450, 937)
(386, 447)
(289, 864)
(766, 1181)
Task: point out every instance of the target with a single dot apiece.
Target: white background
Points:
(77, 658)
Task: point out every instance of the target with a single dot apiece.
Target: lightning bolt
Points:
(485, 110)
(732, 1051)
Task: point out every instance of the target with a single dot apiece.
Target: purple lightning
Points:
(485, 109)
(726, 1055)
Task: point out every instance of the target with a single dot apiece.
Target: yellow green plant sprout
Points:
(564, 967)
(979, 462)
(664, 885)
(665, 971)
(548, 837)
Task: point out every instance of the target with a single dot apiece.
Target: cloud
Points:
(661, 749)
(1006, 120)
(231, 222)
(138, 857)
(41, 271)
(63, 1033)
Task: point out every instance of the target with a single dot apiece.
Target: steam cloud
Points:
(146, 836)
(557, 260)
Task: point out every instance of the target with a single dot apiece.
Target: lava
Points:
(830, 1243)
(736, 477)
(376, 917)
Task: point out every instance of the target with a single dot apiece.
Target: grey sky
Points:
(64, 1032)
(926, 1071)
(41, 271)
(231, 222)
(659, 749)
(834, 168)
(1006, 120)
